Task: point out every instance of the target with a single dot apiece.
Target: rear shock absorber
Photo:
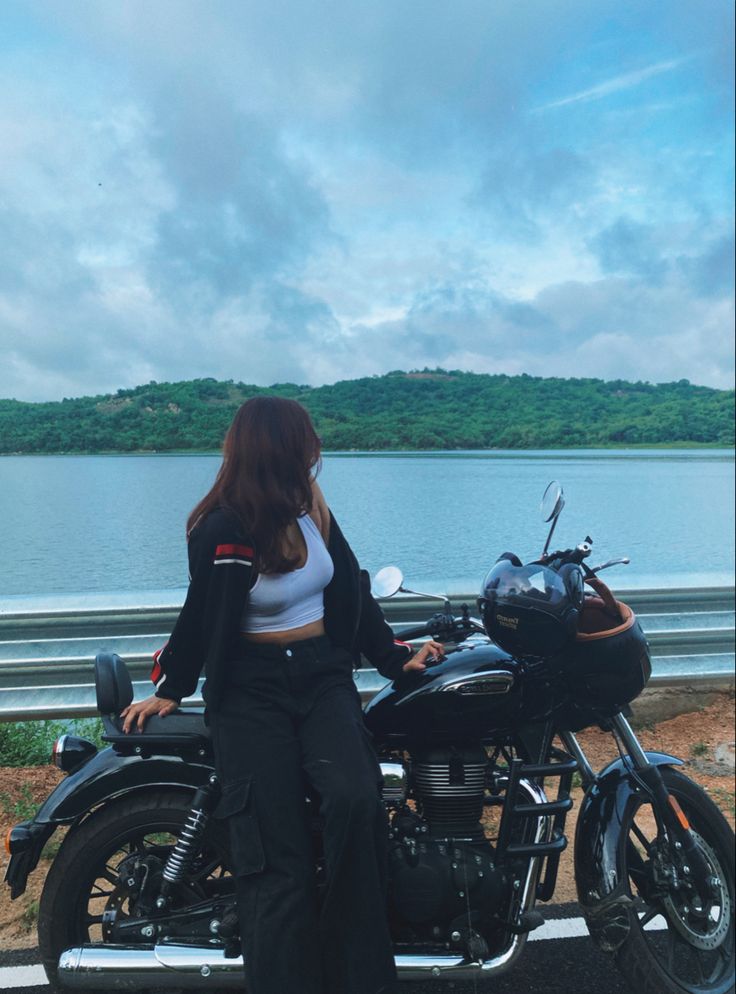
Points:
(189, 841)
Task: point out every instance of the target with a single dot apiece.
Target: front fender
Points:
(600, 841)
(109, 774)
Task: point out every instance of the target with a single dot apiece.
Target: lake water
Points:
(72, 524)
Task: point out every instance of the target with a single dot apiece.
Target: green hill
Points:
(431, 409)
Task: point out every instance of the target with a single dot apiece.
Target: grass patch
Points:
(643, 724)
(29, 918)
(699, 749)
(52, 847)
(29, 743)
(23, 808)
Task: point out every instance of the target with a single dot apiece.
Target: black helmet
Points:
(531, 610)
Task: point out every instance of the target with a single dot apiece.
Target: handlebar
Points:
(578, 555)
(563, 556)
(444, 627)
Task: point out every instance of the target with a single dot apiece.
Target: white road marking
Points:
(560, 928)
(22, 976)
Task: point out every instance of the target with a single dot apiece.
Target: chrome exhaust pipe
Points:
(118, 968)
(199, 967)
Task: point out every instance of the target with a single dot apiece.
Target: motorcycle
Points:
(477, 793)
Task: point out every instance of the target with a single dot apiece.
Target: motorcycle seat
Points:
(114, 690)
(183, 726)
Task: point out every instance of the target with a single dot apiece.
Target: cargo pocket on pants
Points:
(237, 808)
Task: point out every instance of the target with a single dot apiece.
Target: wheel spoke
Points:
(99, 892)
(715, 972)
(671, 945)
(94, 919)
(636, 863)
(641, 837)
(637, 867)
(699, 964)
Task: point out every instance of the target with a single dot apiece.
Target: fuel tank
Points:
(475, 692)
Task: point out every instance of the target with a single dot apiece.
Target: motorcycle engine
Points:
(441, 866)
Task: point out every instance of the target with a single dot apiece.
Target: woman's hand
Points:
(138, 714)
(430, 650)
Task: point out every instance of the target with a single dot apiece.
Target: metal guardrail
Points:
(47, 655)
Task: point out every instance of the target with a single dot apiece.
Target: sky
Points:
(278, 191)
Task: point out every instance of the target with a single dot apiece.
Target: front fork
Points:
(666, 806)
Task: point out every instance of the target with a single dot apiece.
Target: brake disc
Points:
(684, 916)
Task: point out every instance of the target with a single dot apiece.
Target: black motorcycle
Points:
(477, 792)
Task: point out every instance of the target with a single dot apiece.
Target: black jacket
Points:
(221, 574)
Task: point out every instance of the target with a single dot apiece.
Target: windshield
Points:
(532, 582)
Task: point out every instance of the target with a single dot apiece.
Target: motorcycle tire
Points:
(86, 863)
(694, 953)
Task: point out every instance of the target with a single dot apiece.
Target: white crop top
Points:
(280, 601)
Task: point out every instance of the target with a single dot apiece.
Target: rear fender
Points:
(600, 873)
(105, 776)
(109, 774)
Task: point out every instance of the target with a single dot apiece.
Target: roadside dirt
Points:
(694, 737)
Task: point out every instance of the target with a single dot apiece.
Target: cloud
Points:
(700, 256)
(244, 209)
(628, 246)
(615, 327)
(134, 232)
(523, 187)
(287, 191)
(711, 272)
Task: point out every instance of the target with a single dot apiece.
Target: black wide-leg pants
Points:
(290, 717)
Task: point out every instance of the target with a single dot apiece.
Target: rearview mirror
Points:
(387, 582)
(553, 501)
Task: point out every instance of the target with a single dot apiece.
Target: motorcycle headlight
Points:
(70, 751)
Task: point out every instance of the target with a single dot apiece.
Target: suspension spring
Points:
(187, 845)
(185, 850)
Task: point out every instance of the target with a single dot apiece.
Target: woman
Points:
(277, 612)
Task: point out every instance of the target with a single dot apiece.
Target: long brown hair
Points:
(270, 452)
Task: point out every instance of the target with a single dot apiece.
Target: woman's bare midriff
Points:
(310, 631)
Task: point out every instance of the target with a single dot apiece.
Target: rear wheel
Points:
(679, 943)
(89, 886)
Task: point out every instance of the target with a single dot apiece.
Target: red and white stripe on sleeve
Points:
(157, 673)
(240, 554)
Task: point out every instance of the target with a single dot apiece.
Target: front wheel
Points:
(678, 943)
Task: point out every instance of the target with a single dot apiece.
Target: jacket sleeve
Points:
(215, 552)
(375, 637)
